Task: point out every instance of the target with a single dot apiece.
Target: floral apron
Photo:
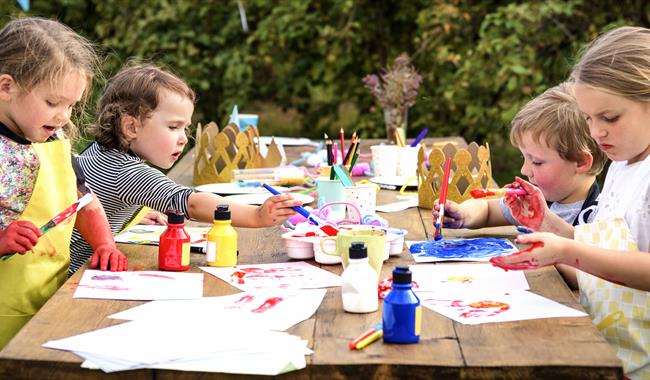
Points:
(28, 281)
(621, 314)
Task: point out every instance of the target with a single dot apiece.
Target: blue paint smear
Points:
(479, 248)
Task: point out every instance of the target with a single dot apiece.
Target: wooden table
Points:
(541, 348)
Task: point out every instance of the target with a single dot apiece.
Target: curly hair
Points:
(133, 91)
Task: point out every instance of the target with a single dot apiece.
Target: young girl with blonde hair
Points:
(45, 70)
(611, 255)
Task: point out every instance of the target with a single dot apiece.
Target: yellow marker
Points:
(376, 335)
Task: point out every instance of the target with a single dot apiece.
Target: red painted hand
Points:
(19, 237)
(108, 257)
(545, 249)
(529, 210)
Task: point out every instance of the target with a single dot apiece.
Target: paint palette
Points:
(479, 249)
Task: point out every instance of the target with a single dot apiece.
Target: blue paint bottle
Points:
(402, 313)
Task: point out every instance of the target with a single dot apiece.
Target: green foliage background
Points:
(300, 65)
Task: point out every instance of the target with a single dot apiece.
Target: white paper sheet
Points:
(398, 206)
(275, 310)
(472, 308)
(451, 277)
(293, 275)
(188, 346)
(139, 285)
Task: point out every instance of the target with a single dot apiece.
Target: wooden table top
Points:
(553, 347)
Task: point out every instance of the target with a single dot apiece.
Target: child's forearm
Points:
(479, 213)
(553, 223)
(202, 205)
(92, 224)
(624, 268)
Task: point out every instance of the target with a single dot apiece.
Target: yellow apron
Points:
(28, 281)
(621, 314)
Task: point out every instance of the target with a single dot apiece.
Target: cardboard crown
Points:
(470, 169)
(218, 153)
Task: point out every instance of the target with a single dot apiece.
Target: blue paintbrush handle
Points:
(300, 210)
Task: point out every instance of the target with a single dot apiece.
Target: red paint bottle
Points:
(174, 246)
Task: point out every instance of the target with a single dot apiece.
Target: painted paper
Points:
(150, 235)
(452, 277)
(275, 310)
(479, 249)
(473, 308)
(293, 275)
(139, 285)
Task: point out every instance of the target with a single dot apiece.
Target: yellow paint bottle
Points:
(222, 240)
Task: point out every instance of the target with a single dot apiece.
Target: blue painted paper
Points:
(478, 249)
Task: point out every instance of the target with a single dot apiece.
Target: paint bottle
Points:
(174, 245)
(402, 315)
(222, 240)
(359, 290)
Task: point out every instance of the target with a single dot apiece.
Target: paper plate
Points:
(227, 188)
(397, 181)
(258, 199)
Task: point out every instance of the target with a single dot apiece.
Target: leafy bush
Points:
(304, 60)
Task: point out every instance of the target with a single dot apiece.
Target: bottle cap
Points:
(174, 217)
(222, 212)
(358, 250)
(402, 275)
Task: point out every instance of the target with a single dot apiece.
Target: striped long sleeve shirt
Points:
(124, 183)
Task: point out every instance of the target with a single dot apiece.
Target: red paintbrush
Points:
(443, 198)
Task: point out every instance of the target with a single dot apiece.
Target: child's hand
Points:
(277, 209)
(107, 256)
(545, 249)
(453, 217)
(154, 217)
(529, 209)
(19, 237)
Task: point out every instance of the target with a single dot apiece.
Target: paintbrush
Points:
(443, 198)
(482, 193)
(60, 217)
(313, 219)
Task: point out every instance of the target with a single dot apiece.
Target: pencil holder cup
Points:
(383, 160)
(374, 240)
(470, 169)
(363, 196)
(407, 161)
(331, 191)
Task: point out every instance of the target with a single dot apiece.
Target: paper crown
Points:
(217, 153)
(470, 169)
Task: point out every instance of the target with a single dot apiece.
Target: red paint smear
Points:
(103, 287)
(63, 215)
(385, 286)
(156, 275)
(481, 193)
(498, 261)
(267, 305)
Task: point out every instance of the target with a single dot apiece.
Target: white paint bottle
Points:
(359, 290)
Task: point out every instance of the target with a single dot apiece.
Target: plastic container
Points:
(222, 240)
(278, 176)
(174, 245)
(402, 314)
(359, 290)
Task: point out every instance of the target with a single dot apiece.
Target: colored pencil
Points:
(417, 140)
(342, 144)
